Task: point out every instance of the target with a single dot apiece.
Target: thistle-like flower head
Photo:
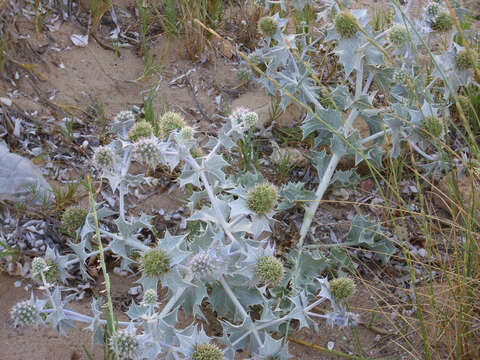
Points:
(433, 126)
(124, 116)
(170, 121)
(400, 76)
(103, 157)
(398, 35)
(154, 263)
(262, 198)
(47, 267)
(74, 217)
(342, 288)
(202, 265)
(207, 351)
(432, 9)
(25, 313)
(140, 130)
(187, 133)
(150, 298)
(148, 151)
(464, 60)
(39, 265)
(268, 26)
(238, 116)
(442, 23)
(269, 270)
(251, 119)
(346, 25)
(125, 344)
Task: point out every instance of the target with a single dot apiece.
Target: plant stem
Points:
(239, 306)
(111, 319)
(213, 200)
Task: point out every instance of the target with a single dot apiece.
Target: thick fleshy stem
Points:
(238, 305)
(332, 165)
(311, 210)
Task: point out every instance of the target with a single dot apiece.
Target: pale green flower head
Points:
(140, 130)
(25, 313)
(207, 351)
(154, 263)
(346, 25)
(262, 198)
(464, 60)
(442, 23)
(148, 151)
(74, 217)
(150, 297)
(398, 35)
(268, 26)
(103, 158)
(269, 270)
(342, 288)
(170, 121)
(125, 344)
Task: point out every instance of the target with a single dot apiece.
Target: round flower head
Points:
(202, 265)
(150, 297)
(342, 288)
(207, 351)
(442, 23)
(154, 263)
(398, 35)
(125, 345)
(467, 106)
(170, 121)
(39, 265)
(251, 119)
(268, 26)
(238, 116)
(432, 126)
(25, 313)
(269, 270)
(196, 152)
(346, 25)
(148, 151)
(45, 266)
(103, 157)
(432, 10)
(262, 198)
(140, 130)
(125, 116)
(464, 60)
(74, 218)
(187, 133)
(399, 76)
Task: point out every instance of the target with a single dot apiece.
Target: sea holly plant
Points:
(230, 263)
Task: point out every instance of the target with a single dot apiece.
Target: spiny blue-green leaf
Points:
(311, 124)
(345, 178)
(293, 193)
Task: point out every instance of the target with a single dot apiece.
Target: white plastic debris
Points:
(79, 40)
(20, 179)
(6, 101)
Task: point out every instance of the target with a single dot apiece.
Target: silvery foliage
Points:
(216, 265)
(365, 64)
